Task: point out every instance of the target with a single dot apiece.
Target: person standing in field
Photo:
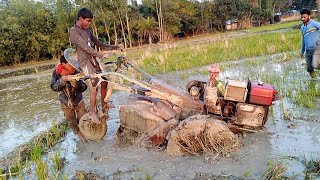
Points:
(310, 39)
(70, 92)
(84, 41)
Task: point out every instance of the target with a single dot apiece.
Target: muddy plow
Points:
(202, 119)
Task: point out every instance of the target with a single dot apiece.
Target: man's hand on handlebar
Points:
(76, 77)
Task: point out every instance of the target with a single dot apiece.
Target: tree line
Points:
(34, 30)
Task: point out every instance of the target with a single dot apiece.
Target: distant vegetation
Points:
(32, 30)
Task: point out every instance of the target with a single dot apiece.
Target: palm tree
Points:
(148, 27)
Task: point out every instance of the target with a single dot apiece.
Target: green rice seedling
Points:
(275, 171)
(14, 170)
(226, 44)
(135, 53)
(65, 177)
(19, 164)
(309, 103)
(55, 175)
(37, 151)
(223, 66)
(246, 174)
(274, 27)
(147, 176)
(34, 150)
(289, 93)
(237, 48)
(304, 100)
(49, 139)
(27, 165)
(287, 115)
(281, 105)
(3, 175)
(312, 167)
(57, 161)
(306, 93)
(271, 113)
(42, 170)
(56, 133)
(80, 175)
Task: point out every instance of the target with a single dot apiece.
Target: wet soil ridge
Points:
(26, 71)
(39, 144)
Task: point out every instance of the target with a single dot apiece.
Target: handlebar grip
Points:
(110, 62)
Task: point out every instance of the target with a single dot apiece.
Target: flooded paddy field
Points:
(28, 107)
(291, 136)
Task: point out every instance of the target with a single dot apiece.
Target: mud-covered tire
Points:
(91, 130)
(199, 84)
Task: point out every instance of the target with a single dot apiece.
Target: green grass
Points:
(298, 91)
(37, 152)
(221, 51)
(42, 171)
(273, 27)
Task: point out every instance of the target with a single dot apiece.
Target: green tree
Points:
(205, 16)
(223, 12)
(187, 13)
(64, 18)
(148, 28)
(25, 31)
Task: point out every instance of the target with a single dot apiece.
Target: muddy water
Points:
(28, 106)
(283, 140)
(288, 141)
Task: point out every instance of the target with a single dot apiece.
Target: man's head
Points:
(305, 15)
(68, 69)
(214, 71)
(84, 18)
(70, 56)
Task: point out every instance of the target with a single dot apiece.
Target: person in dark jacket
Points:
(70, 92)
